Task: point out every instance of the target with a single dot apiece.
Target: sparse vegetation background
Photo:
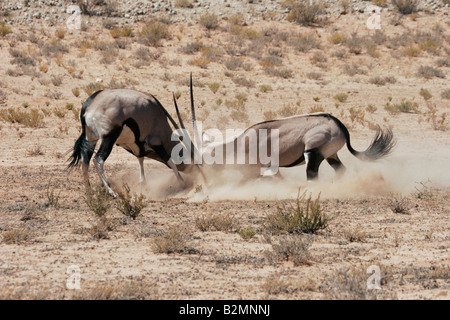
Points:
(251, 61)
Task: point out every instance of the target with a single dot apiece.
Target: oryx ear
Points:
(206, 138)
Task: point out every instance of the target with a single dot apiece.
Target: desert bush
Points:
(239, 115)
(355, 44)
(294, 248)
(17, 235)
(247, 233)
(76, 92)
(284, 73)
(379, 37)
(192, 47)
(54, 48)
(60, 33)
(305, 217)
(265, 88)
(381, 81)
(425, 94)
(213, 54)
(337, 38)
(351, 284)
(243, 81)
(340, 53)
(316, 108)
(172, 240)
(56, 80)
(288, 111)
(233, 63)
(153, 32)
(125, 31)
(131, 206)
(216, 222)
(432, 116)
(98, 201)
(314, 75)
(201, 62)
(443, 62)
(35, 150)
(183, 4)
(353, 69)
(93, 87)
(271, 61)
(4, 29)
(304, 12)
(269, 115)
(210, 21)
(21, 58)
(445, 94)
(341, 97)
(399, 204)
(214, 86)
(429, 72)
(406, 6)
(371, 108)
(305, 41)
(52, 196)
(404, 106)
(32, 118)
(355, 235)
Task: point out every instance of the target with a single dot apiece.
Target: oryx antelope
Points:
(134, 120)
(303, 139)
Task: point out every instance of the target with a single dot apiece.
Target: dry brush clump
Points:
(173, 239)
(130, 205)
(305, 217)
(294, 248)
(33, 118)
(152, 33)
(216, 222)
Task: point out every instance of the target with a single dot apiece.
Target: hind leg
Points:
(141, 170)
(103, 153)
(85, 167)
(313, 159)
(337, 165)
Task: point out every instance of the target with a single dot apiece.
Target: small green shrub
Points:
(305, 217)
(130, 206)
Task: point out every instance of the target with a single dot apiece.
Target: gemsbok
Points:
(131, 119)
(302, 139)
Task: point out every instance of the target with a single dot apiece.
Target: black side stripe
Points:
(296, 162)
(132, 124)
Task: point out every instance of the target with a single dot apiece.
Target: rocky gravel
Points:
(52, 12)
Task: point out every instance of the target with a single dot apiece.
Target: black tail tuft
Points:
(81, 146)
(382, 144)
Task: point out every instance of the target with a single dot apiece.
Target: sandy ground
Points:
(42, 244)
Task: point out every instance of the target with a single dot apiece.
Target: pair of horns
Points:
(194, 121)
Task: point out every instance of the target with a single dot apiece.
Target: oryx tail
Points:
(81, 145)
(382, 144)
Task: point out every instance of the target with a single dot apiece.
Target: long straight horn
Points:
(178, 112)
(194, 120)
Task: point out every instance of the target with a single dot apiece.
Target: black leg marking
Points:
(313, 160)
(108, 142)
(132, 124)
(103, 153)
(336, 164)
(162, 153)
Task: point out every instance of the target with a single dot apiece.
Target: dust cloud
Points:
(403, 172)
